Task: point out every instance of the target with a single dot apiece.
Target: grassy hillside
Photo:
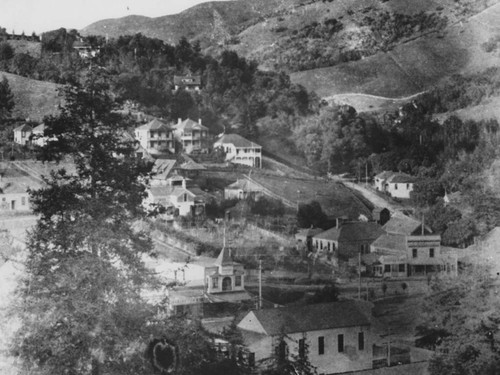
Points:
(34, 99)
(412, 66)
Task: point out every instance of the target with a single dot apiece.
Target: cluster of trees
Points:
(6, 99)
(459, 320)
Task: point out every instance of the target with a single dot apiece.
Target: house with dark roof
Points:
(337, 335)
(402, 224)
(156, 137)
(397, 185)
(191, 136)
(187, 82)
(85, 50)
(348, 239)
(381, 215)
(240, 150)
(242, 189)
(222, 291)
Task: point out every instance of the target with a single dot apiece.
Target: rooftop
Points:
(189, 125)
(352, 231)
(311, 317)
(391, 242)
(402, 224)
(237, 141)
(155, 125)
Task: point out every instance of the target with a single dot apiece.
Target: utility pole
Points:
(389, 348)
(260, 284)
(359, 275)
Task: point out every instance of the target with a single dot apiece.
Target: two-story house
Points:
(408, 248)
(337, 335)
(240, 150)
(22, 134)
(192, 136)
(156, 137)
(223, 289)
(397, 185)
(348, 239)
(177, 196)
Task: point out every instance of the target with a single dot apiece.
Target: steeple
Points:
(224, 258)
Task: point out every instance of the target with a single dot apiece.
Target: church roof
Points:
(224, 258)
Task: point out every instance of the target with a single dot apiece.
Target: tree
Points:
(426, 192)
(460, 319)
(6, 99)
(6, 51)
(82, 308)
(311, 214)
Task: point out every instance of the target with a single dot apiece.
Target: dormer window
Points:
(215, 282)
(237, 281)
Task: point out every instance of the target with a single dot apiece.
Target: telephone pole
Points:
(260, 284)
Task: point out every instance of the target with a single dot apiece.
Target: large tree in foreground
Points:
(6, 99)
(82, 309)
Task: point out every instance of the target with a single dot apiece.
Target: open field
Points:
(335, 198)
(34, 99)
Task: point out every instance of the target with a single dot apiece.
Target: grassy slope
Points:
(413, 66)
(34, 99)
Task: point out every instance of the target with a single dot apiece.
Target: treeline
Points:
(234, 95)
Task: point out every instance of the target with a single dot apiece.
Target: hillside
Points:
(34, 99)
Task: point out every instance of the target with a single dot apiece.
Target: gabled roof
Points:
(224, 258)
(401, 178)
(155, 125)
(384, 175)
(311, 317)
(391, 242)
(353, 231)
(191, 166)
(309, 232)
(162, 168)
(237, 140)
(244, 185)
(189, 125)
(402, 224)
(23, 128)
(39, 129)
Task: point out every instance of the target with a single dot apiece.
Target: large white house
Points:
(397, 185)
(156, 137)
(240, 150)
(337, 335)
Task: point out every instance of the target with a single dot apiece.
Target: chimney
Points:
(199, 121)
(339, 222)
(184, 183)
(179, 120)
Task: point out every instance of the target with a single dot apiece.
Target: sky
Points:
(45, 15)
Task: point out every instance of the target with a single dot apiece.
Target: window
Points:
(395, 186)
(402, 267)
(185, 197)
(281, 350)
(302, 348)
(361, 341)
(251, 359)
(237, 281)
(414, 253)
(431, 253)
(340, 343)
(321, 345)
(215, 282)
(23, 201)
(387, 268)
(407, 186)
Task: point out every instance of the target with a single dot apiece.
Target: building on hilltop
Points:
(240, 150)
(187, 82)
(337, 335)
(156, 137)
(192, 136)
(85, 50)
(242, 189)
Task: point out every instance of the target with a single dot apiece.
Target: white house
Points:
(177, 197)
(188, 82)
(22, 134)
(241, 189)
(338, 335)
(240, 150)
(192, 136)
(155, 137)
(397, 185)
